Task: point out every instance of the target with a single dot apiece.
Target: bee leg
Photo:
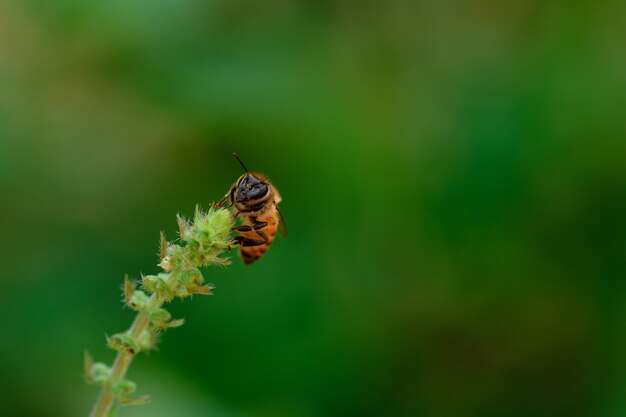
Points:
(257, 226)
(241, 211)
(220, 203)
(230, 196)
(262, 234)
(247, 242)
(253, 242)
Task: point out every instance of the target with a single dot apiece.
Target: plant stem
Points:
(203, 241)
(105, 400)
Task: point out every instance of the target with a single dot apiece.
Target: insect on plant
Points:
(256, 200)
(203, 241)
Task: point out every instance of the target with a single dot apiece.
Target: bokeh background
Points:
(454, 183)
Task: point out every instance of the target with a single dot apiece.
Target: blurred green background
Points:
(454, 183)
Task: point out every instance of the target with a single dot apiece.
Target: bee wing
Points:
(282, 227)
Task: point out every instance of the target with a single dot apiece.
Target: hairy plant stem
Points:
(202, 242)
(102, 407)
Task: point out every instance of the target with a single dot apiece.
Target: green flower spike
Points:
(203, 243)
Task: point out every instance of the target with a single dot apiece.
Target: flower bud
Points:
(160, 315)
(123, 386)
(122, 342)
(138, 301)
(147, 340)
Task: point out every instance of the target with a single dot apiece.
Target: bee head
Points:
(250, 188)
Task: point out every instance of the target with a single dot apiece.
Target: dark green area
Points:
(454, 184)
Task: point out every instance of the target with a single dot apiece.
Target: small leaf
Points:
(170, 324)
(190, 276)
(123, 387)
(122, 343)
(95, 373)
(129, 289)
(139, 301)
(184, 227)
(100, 373)
(176, 323)
(202, 290)
(138, 400)
(147, 340)
(163, 244)
(149, 282)
(160, 315)
(158, 285)
(88, 367)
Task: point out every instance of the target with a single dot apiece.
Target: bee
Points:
(256, 201)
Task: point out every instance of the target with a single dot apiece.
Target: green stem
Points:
(202, 241)
(102, 407)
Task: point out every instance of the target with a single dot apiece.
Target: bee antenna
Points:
(239, 159)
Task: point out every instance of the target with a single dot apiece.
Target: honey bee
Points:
(256, 200)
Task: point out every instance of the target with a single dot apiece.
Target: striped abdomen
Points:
(269, 215)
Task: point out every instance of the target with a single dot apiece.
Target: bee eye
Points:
(260, 189)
